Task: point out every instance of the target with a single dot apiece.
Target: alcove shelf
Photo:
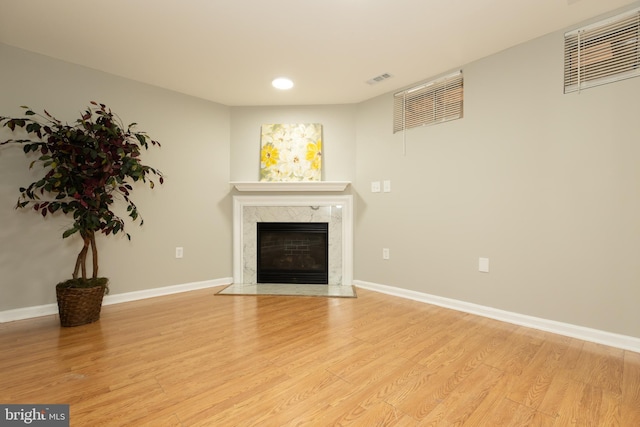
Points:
(301, 186)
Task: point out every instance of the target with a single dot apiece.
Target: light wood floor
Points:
(195, 359)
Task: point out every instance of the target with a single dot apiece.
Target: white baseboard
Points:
(28, 312)
(167, 290)
(587, 334)
(49, 309)
(594, 335)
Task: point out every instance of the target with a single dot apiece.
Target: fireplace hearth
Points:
(293, 252)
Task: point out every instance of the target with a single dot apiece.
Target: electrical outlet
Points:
(385, 253)
(386, 186)
(179, 252)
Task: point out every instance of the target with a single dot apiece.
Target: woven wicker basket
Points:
(79, 306)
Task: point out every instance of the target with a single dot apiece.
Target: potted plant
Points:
(87, 166)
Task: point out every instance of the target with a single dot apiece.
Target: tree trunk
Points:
(94, 253)
(81, 261)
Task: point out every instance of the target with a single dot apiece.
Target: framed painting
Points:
(291, 152)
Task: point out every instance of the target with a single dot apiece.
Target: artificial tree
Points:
(88, 165)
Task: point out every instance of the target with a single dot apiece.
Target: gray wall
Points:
(192, 209)
(338, 138)
(546, 185)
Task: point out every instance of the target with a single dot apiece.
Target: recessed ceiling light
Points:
(282, 83)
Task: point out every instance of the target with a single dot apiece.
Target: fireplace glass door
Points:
(293, 252)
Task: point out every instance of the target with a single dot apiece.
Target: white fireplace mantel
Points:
(301, 186)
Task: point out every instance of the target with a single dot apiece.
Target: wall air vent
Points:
(380, 78)
(604, 52)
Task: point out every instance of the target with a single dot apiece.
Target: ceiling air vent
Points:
(378, 79)
(603, 52)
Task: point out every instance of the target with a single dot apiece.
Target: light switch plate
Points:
(375, 186)
(483, 265)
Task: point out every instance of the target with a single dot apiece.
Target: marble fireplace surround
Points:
(335, 210)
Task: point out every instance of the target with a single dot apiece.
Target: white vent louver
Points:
(601, 53)
(380, 78)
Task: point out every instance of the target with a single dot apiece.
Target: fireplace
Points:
(335, 210)
(293, 252)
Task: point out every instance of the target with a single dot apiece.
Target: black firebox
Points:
(293, 252)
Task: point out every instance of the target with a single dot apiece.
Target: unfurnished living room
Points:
(319, 213)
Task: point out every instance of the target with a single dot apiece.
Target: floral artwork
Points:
(291, 152)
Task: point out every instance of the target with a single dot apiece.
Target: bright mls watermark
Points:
(34, 415)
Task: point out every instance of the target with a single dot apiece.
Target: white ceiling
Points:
(228, 51)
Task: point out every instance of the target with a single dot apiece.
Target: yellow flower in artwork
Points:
(269, 155)
(314, 154)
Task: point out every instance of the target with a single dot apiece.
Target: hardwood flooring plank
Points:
(631, 379)
(434, 386)
(379, 415)
(460, 404)
(531, 387)
(629, 415)
(600, 366)
(279, 403)
(587, 405)
(509, 413)
(521, 347)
